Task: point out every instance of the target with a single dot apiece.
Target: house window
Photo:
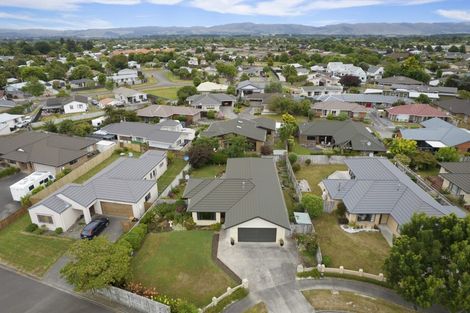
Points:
(31, 187)
(160, 165)
(208, 216)
(365, 217)
(71, 107)
(46, 219)
(147, 197)
(154, 173)
(311, 138)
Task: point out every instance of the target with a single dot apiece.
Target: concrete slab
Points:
(112, 232)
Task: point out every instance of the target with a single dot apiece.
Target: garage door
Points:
(257, 234)
(116, 209)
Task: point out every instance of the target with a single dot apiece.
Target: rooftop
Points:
(416, 109)
(247, 128)
(166, 111)
(436, 129)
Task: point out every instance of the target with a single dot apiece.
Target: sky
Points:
(84, 14)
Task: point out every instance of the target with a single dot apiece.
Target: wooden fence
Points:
(12, 217)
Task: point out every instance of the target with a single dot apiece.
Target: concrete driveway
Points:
(270, 270)
(7, 205)
(112, 232)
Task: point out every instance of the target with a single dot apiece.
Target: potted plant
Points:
(281, 242)
(232, 241)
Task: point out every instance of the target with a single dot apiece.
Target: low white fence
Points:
(229, 291)
(323, 159)
(341, 270)
(133, 300)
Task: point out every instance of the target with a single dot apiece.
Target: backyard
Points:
(209, 171)
(366, 250)
(165, 92)
(345, 301)
(179, 264)
(173, 169)
(314, 174)
(28, 252)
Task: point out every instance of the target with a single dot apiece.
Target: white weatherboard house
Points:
(239, 201)
(340, 69)
(122, 189)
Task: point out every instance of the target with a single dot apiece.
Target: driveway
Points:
(228, 113)
(7, 205)
(112, 232)
(270, 270)
(382, 125)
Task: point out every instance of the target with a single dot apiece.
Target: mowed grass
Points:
(314, 174)
(165, 92)
(366, 250)
(30, 253)
(179, 264)
(173, 169)
(345, 301)
(209, 171)
(95, 170)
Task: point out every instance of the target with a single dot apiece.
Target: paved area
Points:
(228, 112)
(270, 270)
(7, 205)
(112, 232)
(382, 125)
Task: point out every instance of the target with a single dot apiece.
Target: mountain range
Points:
(378, 29)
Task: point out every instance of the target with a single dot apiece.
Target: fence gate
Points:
(328, 206)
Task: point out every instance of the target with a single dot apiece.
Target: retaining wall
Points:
(133, 300)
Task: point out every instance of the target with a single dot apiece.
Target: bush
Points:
(326, 260)
(136, 236)
(266, 150)
(26, 201)
(40, 230)
(31, 227)
(219, 157)
(293, 158)
(238, 294)
(8, 171)
(189, 224)
(59, 230)
(308, 162)
(63, 173)
(312, 204)
(216, 227)
(313, 273)
(341, 209)
(37, 189)
(211, 114)
(296, 167)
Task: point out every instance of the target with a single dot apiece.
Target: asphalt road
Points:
(7, 205)
(19, 294)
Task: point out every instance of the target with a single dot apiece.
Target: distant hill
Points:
(381, 29)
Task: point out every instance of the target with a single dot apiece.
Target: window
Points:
(160, 165)
(365, 217)
(147, 197)
(208, 216)
(311, 138)
(71, 107)
(31, 187)
(154, 173)
(46, 219)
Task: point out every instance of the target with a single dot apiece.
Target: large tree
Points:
(448, 154)
(184, 92)
(34, 87)
(403, 146)
(429, 262)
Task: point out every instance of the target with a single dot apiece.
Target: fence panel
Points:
(133, 300)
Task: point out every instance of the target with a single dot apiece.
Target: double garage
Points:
(257, 234)
(257, 230)
(116, 209)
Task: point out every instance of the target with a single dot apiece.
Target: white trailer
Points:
(26, 185)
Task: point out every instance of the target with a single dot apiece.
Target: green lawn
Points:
(366, 250)
(179, 264)
(298, 149)
(175, 79)
(165, 92)
(174, 169)
(30, 253)
(427, 173)
(314, 174)
(209, 171)
(96, 169)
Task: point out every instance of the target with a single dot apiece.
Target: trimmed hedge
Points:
(314, 273)
(358, 278)
(238, 294)
(136, 236)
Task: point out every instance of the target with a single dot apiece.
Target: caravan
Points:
(26, 185)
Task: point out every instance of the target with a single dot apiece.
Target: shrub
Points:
(293, 158)
(216, 227)
(312, 204)
(266, 150)
(136, 236)
(59, 230)
(31, 227)
(238, 294)
(308, 162)
(211, 114)
(26, 201)
(219, 157)
(341, 209)
(137, 288)
(37, 189)
(189, 224)
(40, 230)
(8, 171)
(296, 167)
(326, 260)
(313, 273)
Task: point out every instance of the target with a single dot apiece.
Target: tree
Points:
(34, 87)
(312, 204)
(29, 72)
(447, 154)
(290, 73)
(231, 90)
(118, 62)
(350, 81)
(200, 153)
(185, 92)
(423, 98)
(109, 85)
(423, 160)
(244, 77)
(97, 264)
(235, 146)
(101, 79)
(50, 126)
(403, 159)
(197, 81)
(117, 115)
(227, 70)
(66, 127)
(81, 71)
(82, 129)
(429, 262)
(273, 87)
(403, 146)
(251, 59)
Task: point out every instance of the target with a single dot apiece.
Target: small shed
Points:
(303, 223)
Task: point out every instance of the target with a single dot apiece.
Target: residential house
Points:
(66, 105)
(254, 130)
(317, 91)
(211, 101)
(126, 77)
(335, 108)
(368, 100)
(339, 69)
(109, 102)
(81, 83)
(253, 71)
(193, 61)
(129, 96)
(458, 108)
(125, 189)
(49, 152)
(378, 194)
(260, 101)
(164, 112)
(438, 134)
(247, 87)
(248, 202)
(414, 113)
(432, 91)
(375, 72)
(9, 122)
(133, 65)
(456, 179)
(208, 87)
(398, 80)
(319, 79)
(7, 104)
(348, 135)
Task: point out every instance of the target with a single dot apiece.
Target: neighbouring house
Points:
(7, 104)
(348, 135)
(378, 194)
(255, 131)
(316, 91)
(335, 108)
(143, 133)
(126, 77)
(260, 101)
(126, 189)
(432, 91)
(438, 134)
(49, 152)
(129, 96)
(9, 122)
(66, 105)
(247, 87)
(207, 87)
(133, 65)
(375, 72)
(211, 101)
(369, 100)
(414, 113)
(459, 108)
(456, 179)
(161, 112)
(248, 201)
(109, 102)
(81, 83)
(339, 69)
(398, 80)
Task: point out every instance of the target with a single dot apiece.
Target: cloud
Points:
(62, 22)
(460, 15)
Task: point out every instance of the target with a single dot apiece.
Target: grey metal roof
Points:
(364, 98)
(7, 103)
(166, 111)
(462, 180)
(238, 126)
(455, 106)
(398, 80)
(250, 189)
(438, 130)
(56, 204)
(266, 123)
(210, 99)
(425, 89)
(147, 131)
(339, 105)
(247, 83)
(378, 187)
(456, 167)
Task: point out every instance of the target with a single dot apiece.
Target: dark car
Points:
(94, 228)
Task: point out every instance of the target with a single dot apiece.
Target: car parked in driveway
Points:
(94, 228)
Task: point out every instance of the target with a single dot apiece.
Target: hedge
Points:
(136, 236)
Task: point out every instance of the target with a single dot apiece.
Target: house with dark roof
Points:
(211, 101)
(458, 108)
(49, 152)
(398, 80)
(378, 194)
(163, 112)
(255, 131)
(348, 135)
(436, 134)
(335, 108)
(456, 179)
(247, 201)
(126, 189)
(414, 113)
(368, 100)
(248, 87)
(66, 105)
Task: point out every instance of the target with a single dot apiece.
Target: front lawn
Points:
(179, 264)
(209, 171)
(314, 174)
(27, 252)
(345, 301)
(366, 250)
(165, 92)
(173, 169)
